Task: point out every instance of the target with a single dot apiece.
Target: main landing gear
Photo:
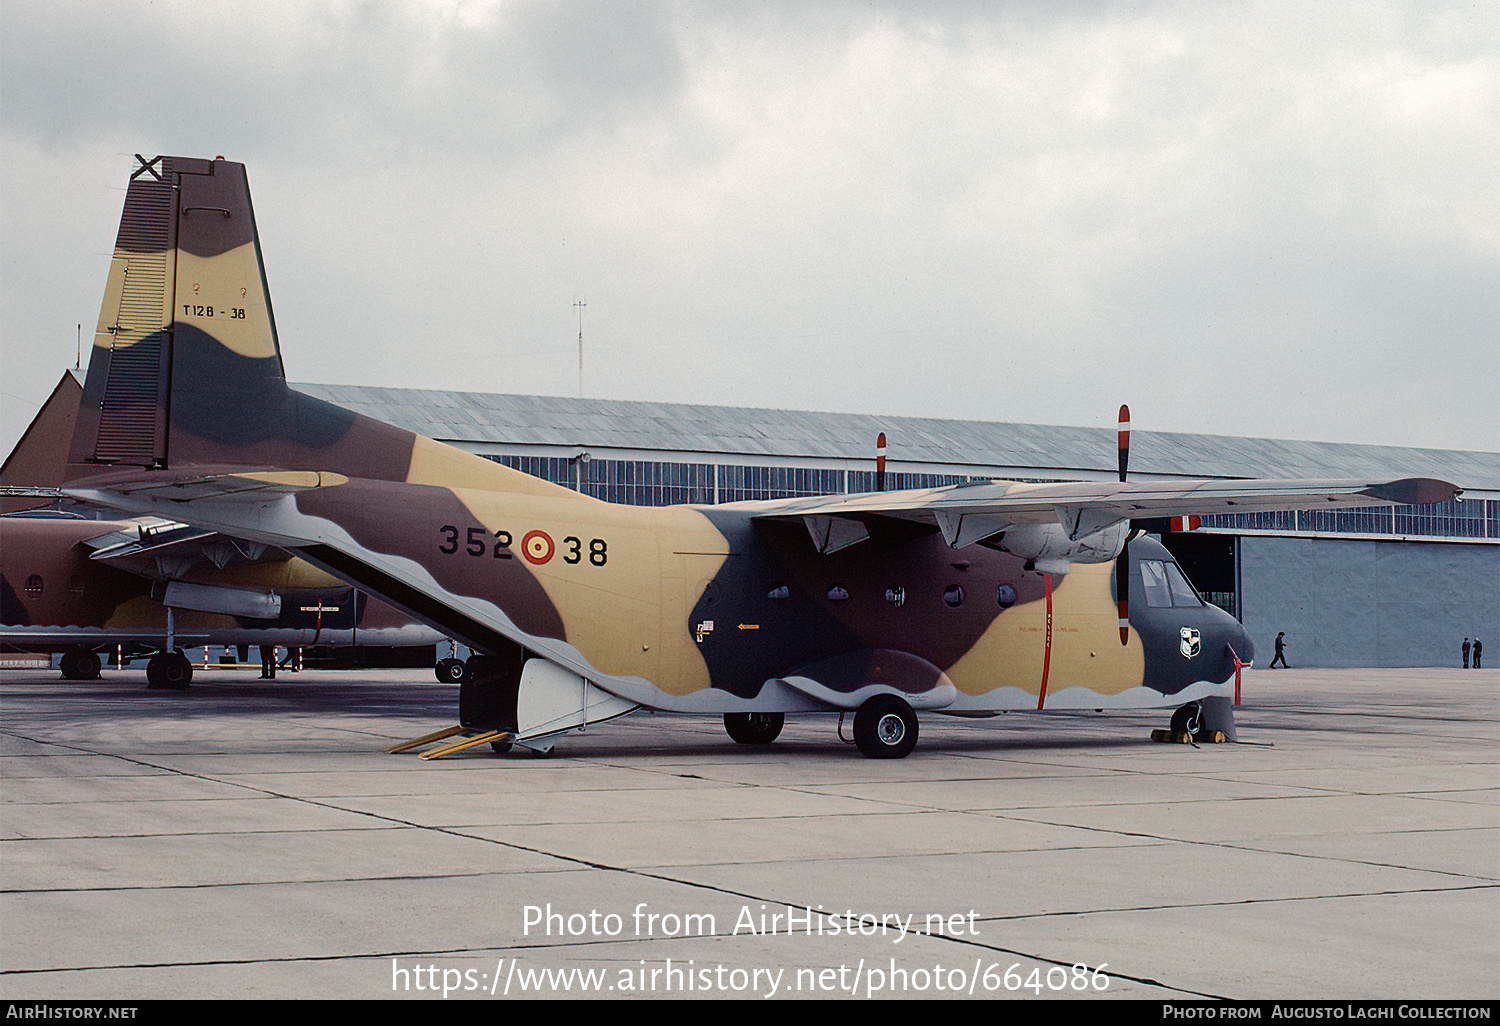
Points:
(885, 727)
(451, 671)
(80, 664)
(169, 670)
(754, 728)
(515, 700)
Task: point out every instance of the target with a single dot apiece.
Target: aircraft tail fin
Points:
(186, 312)
(185, 374)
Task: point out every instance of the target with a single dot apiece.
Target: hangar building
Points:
(1367, 587)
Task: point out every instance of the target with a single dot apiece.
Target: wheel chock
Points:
(468, 742)
(425, 739)
(1210, 737)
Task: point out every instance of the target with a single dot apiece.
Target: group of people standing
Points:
(1476, 649)
(268, 661)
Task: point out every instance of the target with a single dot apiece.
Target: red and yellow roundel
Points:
(537, 547)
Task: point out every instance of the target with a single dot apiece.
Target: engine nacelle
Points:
(1049, 546)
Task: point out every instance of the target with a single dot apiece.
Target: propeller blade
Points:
(880, 463)
(1122, 592)
(1122, 561)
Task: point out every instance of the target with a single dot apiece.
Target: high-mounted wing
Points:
(969, 513)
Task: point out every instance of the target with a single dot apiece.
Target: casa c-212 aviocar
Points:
(966, 600)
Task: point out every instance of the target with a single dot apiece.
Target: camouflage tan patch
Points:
(609, 572)
(433, 463)
(1086, 649)
(150, 615)
(223, 296)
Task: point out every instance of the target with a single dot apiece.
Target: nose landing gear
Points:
(1208, 721)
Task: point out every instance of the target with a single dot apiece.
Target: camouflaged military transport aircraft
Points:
(153, 587)
(967, 600)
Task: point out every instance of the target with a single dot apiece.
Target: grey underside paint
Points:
(1368, 603)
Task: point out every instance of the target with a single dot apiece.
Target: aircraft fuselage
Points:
(708, 605)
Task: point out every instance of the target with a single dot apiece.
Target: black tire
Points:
(754, 728)
(1187, 719)
(451, 671)
(501, 747)
(885, 727)
(179, 671)
(80, 664)
(90, 665)
(171, 671)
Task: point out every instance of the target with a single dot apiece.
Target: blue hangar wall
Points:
(1368, 603)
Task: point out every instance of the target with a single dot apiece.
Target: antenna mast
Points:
(579, 307)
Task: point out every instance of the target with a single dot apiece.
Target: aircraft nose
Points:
(1243, 646)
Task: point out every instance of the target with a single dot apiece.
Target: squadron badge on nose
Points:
(1191, 643)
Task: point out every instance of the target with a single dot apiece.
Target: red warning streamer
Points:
(1041, 697)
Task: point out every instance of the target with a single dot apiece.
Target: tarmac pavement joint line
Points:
(165, 770)
(1326, 744)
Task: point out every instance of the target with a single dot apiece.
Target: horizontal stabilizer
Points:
(132, 490)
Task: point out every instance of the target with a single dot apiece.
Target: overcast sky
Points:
(1277, 219)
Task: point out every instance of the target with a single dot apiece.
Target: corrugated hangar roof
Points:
(524, 420)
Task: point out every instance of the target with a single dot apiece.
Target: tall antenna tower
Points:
(579, 307)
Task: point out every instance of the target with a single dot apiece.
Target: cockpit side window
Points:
(1183, 593)
(1158, 592)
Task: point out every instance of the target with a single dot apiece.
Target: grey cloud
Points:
(1199, 206)
(341, 78)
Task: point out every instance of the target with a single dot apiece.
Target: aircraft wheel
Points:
(179, 670)
(170, 670)
(501, 747)
(80, 664)
(755, 728)
(885, 727)
(451, 671)
(89, 665)
(1187, 719)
